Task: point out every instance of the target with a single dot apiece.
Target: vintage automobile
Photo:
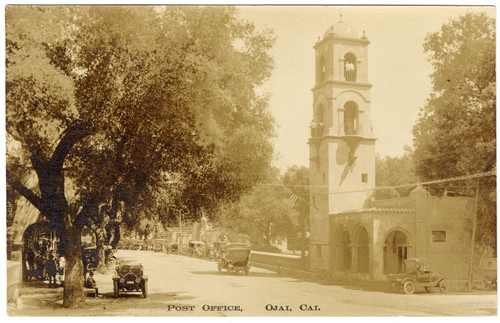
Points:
(417, 273)
(173, 248)
(235, 258)
(197, 249)
(129, 279)
(160, 245)
(219, 248)
(89, 257)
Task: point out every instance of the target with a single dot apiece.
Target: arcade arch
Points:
(360, 250)
(342, 250)
(396, 247)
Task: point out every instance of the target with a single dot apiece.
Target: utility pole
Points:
(473, 239)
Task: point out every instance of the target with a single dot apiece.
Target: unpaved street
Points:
(183, 286)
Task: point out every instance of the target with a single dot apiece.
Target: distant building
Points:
(351, 234)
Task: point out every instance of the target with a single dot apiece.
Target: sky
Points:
(398, 69)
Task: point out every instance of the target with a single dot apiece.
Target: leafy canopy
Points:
(456, 132)
(152, 90)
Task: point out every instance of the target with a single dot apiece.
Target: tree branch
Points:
(26, 192)
(72, 135)
(89, 208)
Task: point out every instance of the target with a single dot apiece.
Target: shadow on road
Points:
(242, 274)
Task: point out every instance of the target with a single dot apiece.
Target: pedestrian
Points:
(90, 283)
(51, 269)
(30, 258)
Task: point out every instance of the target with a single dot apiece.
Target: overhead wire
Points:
(438, 181)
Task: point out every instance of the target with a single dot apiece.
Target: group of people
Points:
(44, 263)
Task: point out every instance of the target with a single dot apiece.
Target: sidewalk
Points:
(37, 299)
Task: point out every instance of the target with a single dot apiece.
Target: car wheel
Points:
(409, 287)
(115, 288)
(145, 288)
(443, 286)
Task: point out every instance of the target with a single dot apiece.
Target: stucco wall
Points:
(403, 202)
(453, 215)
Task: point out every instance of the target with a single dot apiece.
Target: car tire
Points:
(145, 288)
(409, 287)
(443, 286)
(115, 288)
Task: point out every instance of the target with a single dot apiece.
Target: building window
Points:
(364, 178)
(438, 236)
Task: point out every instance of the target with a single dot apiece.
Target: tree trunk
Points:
(116, 235)
(101, 257)
(73, 281)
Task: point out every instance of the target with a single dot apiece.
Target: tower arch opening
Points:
(350, 67)
(318, 122)
(321, 69)
(351, 118)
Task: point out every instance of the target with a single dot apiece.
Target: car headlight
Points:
(138, 280)
(122, 280)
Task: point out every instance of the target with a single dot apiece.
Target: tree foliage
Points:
(395, 172)
(122, 103)
(455, 134)
(262, 214)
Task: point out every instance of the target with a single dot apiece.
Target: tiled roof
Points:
(381, 210)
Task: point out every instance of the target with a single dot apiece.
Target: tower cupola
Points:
(341, 29)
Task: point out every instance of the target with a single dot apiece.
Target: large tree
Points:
(110, 103)
(455, 134)
(395, 172)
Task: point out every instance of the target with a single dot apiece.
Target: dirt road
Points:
(183, 286)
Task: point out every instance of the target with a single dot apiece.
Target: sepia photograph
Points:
(250, 161)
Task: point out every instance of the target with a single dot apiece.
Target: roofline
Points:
(378, 210)
(342, 39)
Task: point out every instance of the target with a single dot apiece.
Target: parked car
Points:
(173, 248)
(219, 248)
(417, 273)
(160, 245)
(129, 279)
(197, 249)
(89, 257)
(235, 258)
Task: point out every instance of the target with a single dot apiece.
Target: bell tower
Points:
(342, 145)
